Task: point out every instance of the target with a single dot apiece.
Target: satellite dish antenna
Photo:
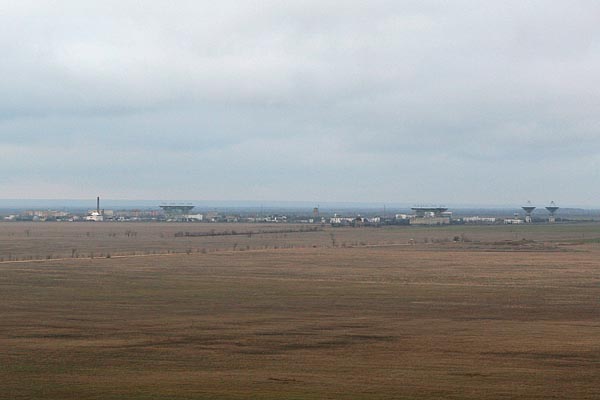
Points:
(552, 208)
(528, 210)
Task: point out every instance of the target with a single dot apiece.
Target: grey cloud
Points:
(302, 99)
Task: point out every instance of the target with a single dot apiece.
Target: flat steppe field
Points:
(140, 311)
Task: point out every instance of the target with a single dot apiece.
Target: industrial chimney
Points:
(98, 204)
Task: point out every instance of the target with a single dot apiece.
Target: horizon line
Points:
(298, 203)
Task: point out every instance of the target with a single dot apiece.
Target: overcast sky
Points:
(455, 102)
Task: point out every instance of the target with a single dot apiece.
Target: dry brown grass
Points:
(442, 320)
(66, 240)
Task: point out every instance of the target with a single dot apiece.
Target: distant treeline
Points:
(248, 233)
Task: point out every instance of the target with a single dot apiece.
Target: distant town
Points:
(418, 215)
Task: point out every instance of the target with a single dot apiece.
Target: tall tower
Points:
(528, 210)
(552, 208)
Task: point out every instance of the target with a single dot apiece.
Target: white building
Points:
(341, 220)
(194, 217)
(513, 221)
(94, 216)
(479, 220)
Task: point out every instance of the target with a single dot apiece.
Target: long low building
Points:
(430, 221)
(479, 220)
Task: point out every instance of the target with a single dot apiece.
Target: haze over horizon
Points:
(410, 102)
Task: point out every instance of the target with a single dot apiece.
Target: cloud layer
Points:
(379, 101)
